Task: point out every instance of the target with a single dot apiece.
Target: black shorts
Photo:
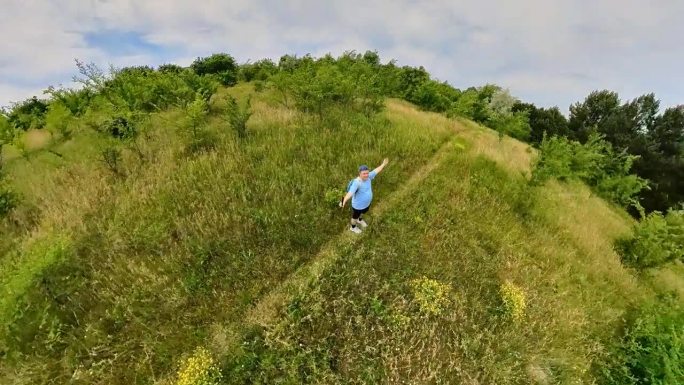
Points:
(357, 213)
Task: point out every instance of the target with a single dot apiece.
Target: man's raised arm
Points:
(382, 166)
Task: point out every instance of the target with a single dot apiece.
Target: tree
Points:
(28, 114)
(260, 70)
(549, 122)
(221, 65)
(170, 68)
(371, 58)
(591, 113)
(410, 81)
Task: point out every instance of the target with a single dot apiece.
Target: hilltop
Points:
(203, 238)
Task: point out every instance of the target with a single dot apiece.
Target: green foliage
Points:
(261, 70)
(652, 348)
(333, 197)
(411, 80)
(143, 89)
(75, 100)
(465, 105)
(194, 126)
(330, 88)
(28, 114)
(122, 126)
(111, 157)
(595, 163)
(515, 125)
(636, 127)
(7, 135)
(542, 121)
(238, 116)
(595, 110)
(26, 328)
(8, 198)
(220, 65)
(170, 68)
(657, 239)
(434, 96)
(59, 120)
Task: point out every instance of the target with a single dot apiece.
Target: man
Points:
(361, 195)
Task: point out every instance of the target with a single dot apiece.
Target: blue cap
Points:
(363, 167)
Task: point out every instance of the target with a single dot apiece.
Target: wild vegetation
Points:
(180, 225)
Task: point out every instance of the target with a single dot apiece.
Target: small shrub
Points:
(8, 199)
(111, 157)
(59, 120)
(199, 369)
(7, 134)
(259, 86)
(432, 296)
(595, 163)
(120, 127)
(237, 117)
(196, 115)
(514, 301)
(194, 128)
(652, 348)
(333, 197)
(657, 239)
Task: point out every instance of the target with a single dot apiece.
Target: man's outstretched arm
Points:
(382, 166)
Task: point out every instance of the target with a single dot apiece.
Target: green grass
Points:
(361, 323)
(186, 243)
(117, 278)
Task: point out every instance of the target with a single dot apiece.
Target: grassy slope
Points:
(473, 224)
(238, 251)
(150, 265)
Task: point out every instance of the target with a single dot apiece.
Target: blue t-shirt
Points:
(363, 193)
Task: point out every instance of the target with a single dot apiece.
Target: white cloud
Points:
(549, 52)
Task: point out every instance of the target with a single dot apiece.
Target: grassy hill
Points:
(467, 273)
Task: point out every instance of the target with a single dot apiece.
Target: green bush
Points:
(77, 101)
(515, 125)
(143, 89)
(330, 88)
(333, 197)
(260, 70)
(237, 117)
(652, 348)
(657, 239)
(7, 134)
(594, 162)
(8, 199)
(111, 157)
(170, 68)
(434, 96)
(220, 65)
(120, 127)
(28, 114)
(59, 120)
(194, 126)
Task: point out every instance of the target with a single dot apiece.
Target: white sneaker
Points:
(355, 230)
(362, 223)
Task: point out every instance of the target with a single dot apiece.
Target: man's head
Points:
(363, 172)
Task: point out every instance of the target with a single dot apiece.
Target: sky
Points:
(548, 52)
